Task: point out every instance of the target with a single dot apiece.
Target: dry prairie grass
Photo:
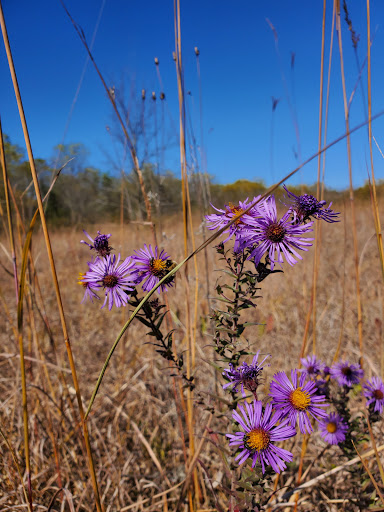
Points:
(136, 426)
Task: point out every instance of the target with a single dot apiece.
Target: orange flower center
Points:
(80, 280)
(331, 427)
(300, 399)
(157, 266)
(257, 439)
(235, 210)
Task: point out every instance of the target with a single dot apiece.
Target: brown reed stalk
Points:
(351, 192)
(50, 257)
(187, 221)
(312, 305)
(50, 429)
(374, 446)
(327, 101)
(375, 206)
(369, 474)
(9, 211)
(25, 419)
(318, 224)
(20, 332)
(304, 447)
(337, 352)
(375, 202)
(16, 462)
(204, 183)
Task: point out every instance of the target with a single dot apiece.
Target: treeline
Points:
(83, 194)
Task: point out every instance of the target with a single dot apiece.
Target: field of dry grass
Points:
(138, 425)
(147, 441)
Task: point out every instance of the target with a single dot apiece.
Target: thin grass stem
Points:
(351, 192)
(200, 248)
(49, 251)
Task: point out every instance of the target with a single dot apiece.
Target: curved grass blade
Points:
(202, 246)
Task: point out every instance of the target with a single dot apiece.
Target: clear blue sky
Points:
(240, 72)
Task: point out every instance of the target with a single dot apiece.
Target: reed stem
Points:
(49, 251)
(351, 192)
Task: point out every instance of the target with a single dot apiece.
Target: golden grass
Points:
(136, 394)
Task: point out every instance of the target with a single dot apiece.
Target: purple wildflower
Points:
(243, 226)
(246, 375)
(333, 428)
(260, 433)
(306, 206)
(89, 289)
(282, 236)
(312, 366)
(326, 371)
(116, 280)
(152, 266)
(99, 243)
(375, 394)
(297, 400)
(346, 374)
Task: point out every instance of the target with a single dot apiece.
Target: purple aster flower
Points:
(278, 237)
(346, 374)
(152, 266)
(245, 375)
(116, 280)
(375, 394)
(326, 371)
(312, 366)
(306, 206)
(99, 243)
(333, 428)
(297, 399)
(243, 227)
(89, 289)
(260, 433)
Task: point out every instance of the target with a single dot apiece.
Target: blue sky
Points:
(240, 73)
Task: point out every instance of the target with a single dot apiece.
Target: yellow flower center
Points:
(157, 266)
(257, 439)
(80, 280)
(300, 399)
(235, 210)
(331, 427)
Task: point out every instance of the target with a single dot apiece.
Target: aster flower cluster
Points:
(306, 206)
(117, 278)
(335, 383)
(292, 402)
(299, 401)
(262, 233)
